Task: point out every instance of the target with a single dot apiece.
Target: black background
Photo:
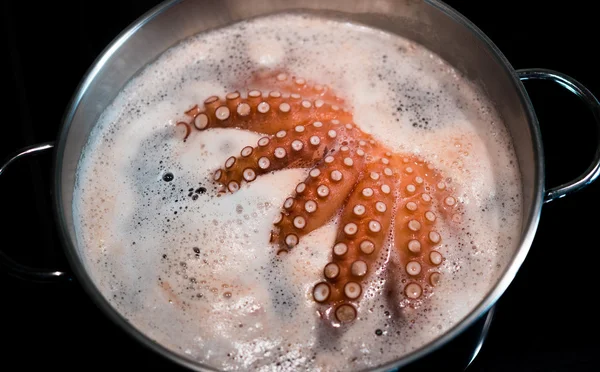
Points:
(546, 321)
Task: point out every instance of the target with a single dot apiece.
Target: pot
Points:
(430, 23)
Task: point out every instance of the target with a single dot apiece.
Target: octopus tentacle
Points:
(364, 226)
(263, 113)
(422, 198)
(318, 197)
(290, 83)
(301, 147)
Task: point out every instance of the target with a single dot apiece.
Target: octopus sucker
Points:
(382, 197)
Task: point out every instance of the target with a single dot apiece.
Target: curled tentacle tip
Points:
(193, 111)
(186, 128)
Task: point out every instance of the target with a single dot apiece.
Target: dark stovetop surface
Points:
(545, 321)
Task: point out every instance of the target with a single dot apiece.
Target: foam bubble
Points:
(196, 271)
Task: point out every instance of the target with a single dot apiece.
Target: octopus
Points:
(379, 194)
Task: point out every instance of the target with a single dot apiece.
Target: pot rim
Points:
(529, 222)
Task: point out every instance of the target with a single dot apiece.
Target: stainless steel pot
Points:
(430, 23)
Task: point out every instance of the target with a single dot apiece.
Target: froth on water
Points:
(195, 270)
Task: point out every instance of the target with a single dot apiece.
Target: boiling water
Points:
(196, 272)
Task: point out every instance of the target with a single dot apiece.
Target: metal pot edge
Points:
(530, 222)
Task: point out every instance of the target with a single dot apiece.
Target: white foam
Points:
(197, 273)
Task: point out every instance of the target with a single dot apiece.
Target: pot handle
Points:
(575, 87)
(9, 265)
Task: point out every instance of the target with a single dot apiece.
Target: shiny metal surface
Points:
(575, 87)
(9, 265)
(484, 331)
(29, 150)
(430, 23)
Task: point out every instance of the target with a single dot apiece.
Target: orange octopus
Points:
(383, 195)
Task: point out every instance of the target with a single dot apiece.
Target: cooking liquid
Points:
(196, 272)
